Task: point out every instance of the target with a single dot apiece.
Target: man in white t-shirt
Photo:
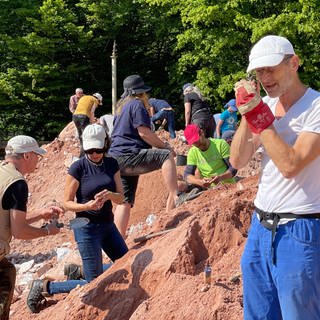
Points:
(280, 263)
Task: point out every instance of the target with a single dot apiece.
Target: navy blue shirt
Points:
(159, 104)
(125, 136)
(94, 178)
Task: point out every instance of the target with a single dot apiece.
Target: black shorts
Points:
(132, 165)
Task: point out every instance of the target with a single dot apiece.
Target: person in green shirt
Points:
(207, 160)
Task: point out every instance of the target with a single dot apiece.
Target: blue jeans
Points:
(91, 239)
(67, 286)
(169, 116)
(289, 289)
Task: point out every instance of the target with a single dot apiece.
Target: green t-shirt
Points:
(210, 162)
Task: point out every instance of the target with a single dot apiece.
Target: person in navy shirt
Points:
(138, 149)
(93, 183)
(161, 110)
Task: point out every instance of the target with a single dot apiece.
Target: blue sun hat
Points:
(232, 104)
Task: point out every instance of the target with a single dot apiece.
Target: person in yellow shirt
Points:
(84, 114)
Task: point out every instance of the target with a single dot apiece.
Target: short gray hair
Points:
(14, 155)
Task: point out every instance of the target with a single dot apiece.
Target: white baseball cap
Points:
(98, 96)
(93, 137)
(23, 144)
(269, 52)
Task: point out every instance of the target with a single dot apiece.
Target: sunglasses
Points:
(92, 151)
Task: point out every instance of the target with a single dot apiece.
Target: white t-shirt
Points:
(300, 194)
(107, 122)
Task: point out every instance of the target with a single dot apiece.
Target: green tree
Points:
(215, 43)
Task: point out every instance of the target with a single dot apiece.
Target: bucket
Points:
(181, 160)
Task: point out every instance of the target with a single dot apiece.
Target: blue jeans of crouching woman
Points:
(288, 289)
(91, 239)
(169, 116)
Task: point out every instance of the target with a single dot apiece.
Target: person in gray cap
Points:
(22, 155)
(280, 262)
(138, 149)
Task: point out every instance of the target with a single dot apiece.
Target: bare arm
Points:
(187, 112)
(69, 202)
(218, 128)
(21, 229)
(151, 111)
(72, 105)
(243, 145)
(206, 182)
(151, 138)
(290, 160)
(116, 197)
(92, 111)
(51, 212)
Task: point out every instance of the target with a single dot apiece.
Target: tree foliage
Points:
(50, 47)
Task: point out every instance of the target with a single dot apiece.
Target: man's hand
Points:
(51, 212)
(250, 105)
(52, 227)
(206, 182)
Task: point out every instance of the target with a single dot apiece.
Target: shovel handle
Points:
(151, 235)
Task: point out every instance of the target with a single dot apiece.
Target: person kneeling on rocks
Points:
(209, 157)
(94, 181)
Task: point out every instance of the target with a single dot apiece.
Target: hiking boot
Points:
(73, 271)
(38, 292)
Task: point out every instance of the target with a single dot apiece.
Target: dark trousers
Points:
(169, 116)
(7, 283)
(80, 121)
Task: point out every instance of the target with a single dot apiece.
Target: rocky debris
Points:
(160, 278)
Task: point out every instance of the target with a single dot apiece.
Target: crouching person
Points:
(94, 181)
(208, 159)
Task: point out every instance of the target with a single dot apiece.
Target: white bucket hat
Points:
(269, 52)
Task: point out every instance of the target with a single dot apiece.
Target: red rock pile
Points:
(161, 278)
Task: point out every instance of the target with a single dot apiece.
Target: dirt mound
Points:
(161, 278)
